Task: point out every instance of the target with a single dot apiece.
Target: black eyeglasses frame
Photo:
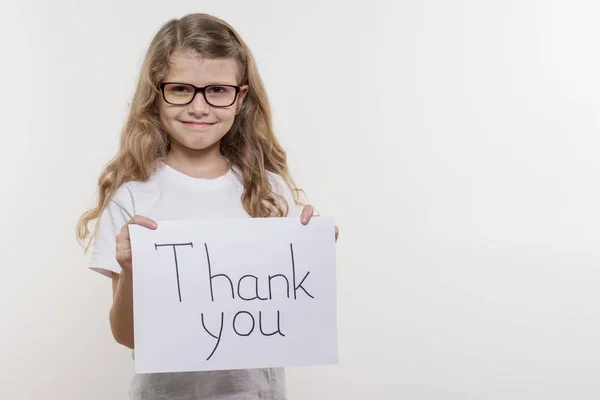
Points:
(198, 90)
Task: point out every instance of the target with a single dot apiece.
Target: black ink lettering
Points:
(294, 276)
(273, 333)
(235, 319)
(211, 277)
(174, 245)
(286, 281)
(255, 288)
(216, 337)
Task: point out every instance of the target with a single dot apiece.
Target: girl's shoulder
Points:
(277, 182)
(281, 187)
(131, 192)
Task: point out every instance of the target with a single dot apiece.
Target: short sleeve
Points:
(282, 188)
(118, 211)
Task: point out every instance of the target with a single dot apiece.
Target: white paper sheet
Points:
(271, 301)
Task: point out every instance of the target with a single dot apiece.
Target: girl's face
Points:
(199, 125)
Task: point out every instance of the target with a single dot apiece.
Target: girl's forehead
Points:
(199, 70)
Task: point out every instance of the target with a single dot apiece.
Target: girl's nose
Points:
(198, 106)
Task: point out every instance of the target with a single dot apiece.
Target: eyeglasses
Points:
(181, 94)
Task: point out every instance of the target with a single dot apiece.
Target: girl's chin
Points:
(197, 143)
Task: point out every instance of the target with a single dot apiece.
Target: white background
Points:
(456, 143)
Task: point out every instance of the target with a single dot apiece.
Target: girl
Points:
(198, 143)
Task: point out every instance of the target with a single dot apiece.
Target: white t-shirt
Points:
(172, 195)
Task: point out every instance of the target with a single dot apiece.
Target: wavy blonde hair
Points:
(250, 145)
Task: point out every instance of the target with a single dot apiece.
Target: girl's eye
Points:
(217, 89)
(181, 89)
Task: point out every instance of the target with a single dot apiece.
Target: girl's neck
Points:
(205, 164)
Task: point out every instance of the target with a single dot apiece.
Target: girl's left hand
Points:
(308, 212)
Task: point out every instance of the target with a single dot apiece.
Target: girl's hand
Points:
(123, 245)
(308, 212)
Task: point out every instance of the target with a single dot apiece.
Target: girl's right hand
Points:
(123, 245)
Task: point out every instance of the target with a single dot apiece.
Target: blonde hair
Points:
(250, 145)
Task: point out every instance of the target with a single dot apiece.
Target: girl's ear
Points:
(241, 97)
(243, 93)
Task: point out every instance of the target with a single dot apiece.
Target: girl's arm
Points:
(121, 312)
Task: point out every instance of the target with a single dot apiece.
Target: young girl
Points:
(198, 143)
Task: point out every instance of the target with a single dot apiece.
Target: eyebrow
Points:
(213, 83)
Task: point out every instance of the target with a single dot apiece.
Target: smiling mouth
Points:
(197, 123)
